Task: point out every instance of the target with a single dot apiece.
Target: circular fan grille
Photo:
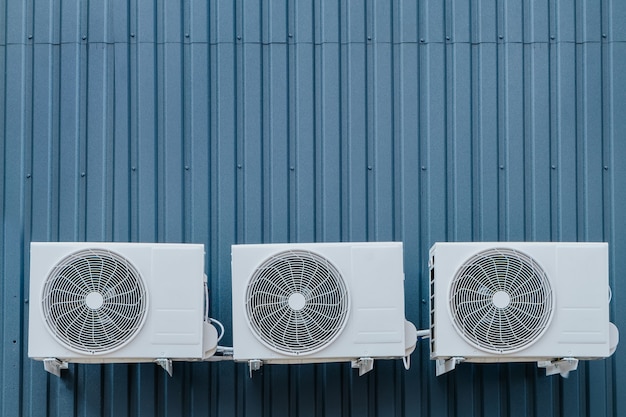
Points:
(297, 302)
(94, 301)
(501, 300)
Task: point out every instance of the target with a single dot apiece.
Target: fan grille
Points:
(297, 302)
(501, 300)
(94, 301)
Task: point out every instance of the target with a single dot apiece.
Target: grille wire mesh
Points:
(501, 300)
(296, 328)
(86, 326)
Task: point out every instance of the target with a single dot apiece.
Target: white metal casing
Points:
(174, 327)
(374, 275)
(578, 275)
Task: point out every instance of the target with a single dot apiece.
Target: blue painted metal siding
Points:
(222, 122)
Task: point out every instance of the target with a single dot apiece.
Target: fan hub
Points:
(297, 301)
(501, 299)
(94, 300)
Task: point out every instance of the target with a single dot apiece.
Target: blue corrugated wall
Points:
(222, 122)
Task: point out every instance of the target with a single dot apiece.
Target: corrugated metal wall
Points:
(223, 122)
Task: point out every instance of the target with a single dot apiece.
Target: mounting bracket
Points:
(165, 364)
(254, 365)
(364, 364)
(446, 365)
(559, 366)
(54, 366)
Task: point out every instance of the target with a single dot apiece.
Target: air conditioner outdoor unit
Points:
(118, 302)
(520, 302)
(319, 302)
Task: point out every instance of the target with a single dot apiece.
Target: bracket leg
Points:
(446, 365)
(559, 366)
(254, 365)
(165, 364)
(364, 364)
(54, 366)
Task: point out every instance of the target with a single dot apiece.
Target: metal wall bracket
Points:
(254, 365)
(54, 366)
(364, 364)
(165, 364)
(446, 365)
(559, 366)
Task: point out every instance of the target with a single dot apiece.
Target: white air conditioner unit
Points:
(319, 302)
(520, 302)
(118, 302)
